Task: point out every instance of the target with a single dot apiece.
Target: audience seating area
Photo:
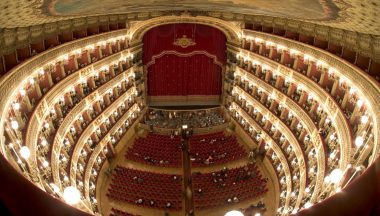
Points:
(215, 148)
(227, 186)
(146, 189)
(157, 150)
(117, 212)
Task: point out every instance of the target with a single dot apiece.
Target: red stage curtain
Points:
(175, 75)
(195, 74)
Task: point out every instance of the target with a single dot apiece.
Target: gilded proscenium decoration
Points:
(184, 42)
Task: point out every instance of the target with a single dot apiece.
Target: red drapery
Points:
(193, 70)
(174, 75)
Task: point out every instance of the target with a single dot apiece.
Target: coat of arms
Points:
(184, 42)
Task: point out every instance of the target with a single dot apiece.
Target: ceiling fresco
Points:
(314, 10)
(354, 15)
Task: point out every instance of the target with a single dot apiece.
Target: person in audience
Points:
(151, 203)
(168, 205)
(200, 192)
(190, 213)
(139, 201)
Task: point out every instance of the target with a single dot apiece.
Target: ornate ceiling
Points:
(359, 16)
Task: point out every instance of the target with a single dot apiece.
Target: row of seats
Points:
(227, 186)
(117, 212)
(157, 150)
(215, 148)
(146, 189)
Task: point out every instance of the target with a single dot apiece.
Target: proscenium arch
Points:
(231, 30)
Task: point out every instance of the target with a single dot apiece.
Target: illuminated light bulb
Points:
(292, 51)
(352, 90)
(14, 125)
(22, 92)
(332, 137)
(359, 103)
(327, 179)
(338, 190)
(66, 142)
(308, 205)
(71, 195)
(16, 106)
(321, 63)
(25, 152)
(257, 214)
(307, 190)
(54, 187)
(46, 125)
(281, 47)
(31, 81)
(65, 178)
(336, 175)
(359, 141)
(234, 213)
(45, 164)
(364, 119)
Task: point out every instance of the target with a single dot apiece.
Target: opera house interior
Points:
(189, 107)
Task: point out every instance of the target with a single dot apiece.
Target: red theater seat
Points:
(157, 150)
(129, 185)
(220, 188)
(214, 148)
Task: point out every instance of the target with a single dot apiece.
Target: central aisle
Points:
(187, 182)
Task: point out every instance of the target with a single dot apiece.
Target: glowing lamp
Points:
(234, 213)
(359, 141)
(25, 152)
(336, 175)
(71, 195)
(14, 125)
